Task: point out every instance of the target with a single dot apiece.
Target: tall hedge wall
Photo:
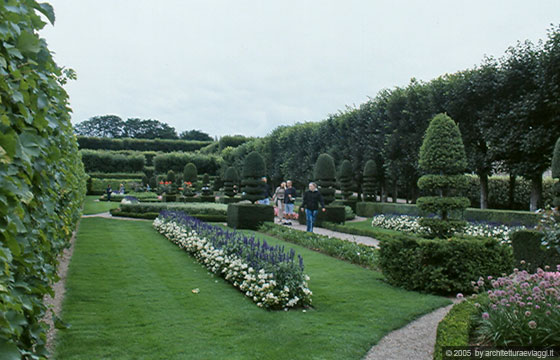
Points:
(110, 162)
(42, 180)
(164, 145)
(177, 161)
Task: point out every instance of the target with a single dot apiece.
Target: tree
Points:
(253, 171)
(345, 176)
(110, 126)
(324, 174)
(231, 179)
(556, 172)
(442, 157)
(195, 135)
(148, 129)
(370, 180)
(190, 173)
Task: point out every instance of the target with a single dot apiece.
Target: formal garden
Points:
(174, 254)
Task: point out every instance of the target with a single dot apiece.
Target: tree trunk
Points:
(483, 190)
(536, 193)
(511, 194)
(383, 193)
(395, 192)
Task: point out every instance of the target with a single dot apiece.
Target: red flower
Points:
(161, 182)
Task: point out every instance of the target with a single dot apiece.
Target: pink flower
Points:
(532, 324)
(527, 313)
(460, 296)
(485, 315)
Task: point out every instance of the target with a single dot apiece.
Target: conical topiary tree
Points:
(345, 178)
(370, 181)
(253, 171)
(442, 158)
(556, 172)
(231, 178)
(324, 174)
(206, 191)
(171, 176)
(190, 173)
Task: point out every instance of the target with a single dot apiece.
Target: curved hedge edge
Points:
(454, 329)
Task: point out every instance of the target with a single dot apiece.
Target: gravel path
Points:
(107, 215)
(414, 341)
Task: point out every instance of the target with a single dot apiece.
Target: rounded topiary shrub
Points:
(171, 176)
(345, 178)
(231, 179)
(190, 173)
(556, 172)
(442, 158)
(325, 176)
(206, 191)
(369, 184)
(253, 171)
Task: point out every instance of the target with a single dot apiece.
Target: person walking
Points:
(109, 192)
(121, 190)
(311, 201)
(265, 200)
(289, 198)
(278, 200)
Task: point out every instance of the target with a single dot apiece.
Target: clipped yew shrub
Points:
(369, 182)
(324, 174)
(443, 160)
(190, 173)
(231, 178)
(345, 178)
(556, 172)
(42, 178)
(253, 171)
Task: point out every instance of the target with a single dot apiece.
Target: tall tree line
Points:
(507, 109)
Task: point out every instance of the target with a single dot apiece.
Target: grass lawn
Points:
(129, 297)
(368, 230)
(95, 207)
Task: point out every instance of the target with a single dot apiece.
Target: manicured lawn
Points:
(365, 226)
(95, 207)
(129, 296)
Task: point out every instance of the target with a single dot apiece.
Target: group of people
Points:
(109, 191)
(284, 198)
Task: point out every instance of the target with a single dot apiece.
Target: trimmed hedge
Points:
(507, 217)
(334, 214)
(108, 162)
(100, 185)
(527, 246)
(189, 208)
(176, 161)
(442, 266)
(164, 145)
(455, 328)
(153, 215)
(249, 216)
(117, 175)
(352, 252)
(42, 179)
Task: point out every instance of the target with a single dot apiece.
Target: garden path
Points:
(366, 240)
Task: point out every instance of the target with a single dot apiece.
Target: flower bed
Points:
(268, 275)
(521, 309)
(406, 223)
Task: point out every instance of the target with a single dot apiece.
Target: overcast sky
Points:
(246, 67)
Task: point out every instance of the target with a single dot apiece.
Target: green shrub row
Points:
(249, 216)
(164, 145)
(189, 208)
(42, 179)
(117, 175)
(354, 253)
(209, 164)
(527, 247)
(152, 215)
(442, 266)
(142, 196)
(455, 328)
(108, 162)
(506, 217)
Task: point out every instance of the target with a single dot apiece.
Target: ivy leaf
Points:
(59, 324)
(47, 10)
(28, 43)
(8, 143)
(9, 351)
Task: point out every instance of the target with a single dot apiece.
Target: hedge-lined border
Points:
(163, 145)
(455, 328)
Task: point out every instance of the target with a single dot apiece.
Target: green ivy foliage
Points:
(324, 174)
(253, 172)
(42, 179)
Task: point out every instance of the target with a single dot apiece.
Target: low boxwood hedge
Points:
(117, 175)
(506, 217)
(189, 208)
(442, 266)
(152, 215)
(248, 216)
(455, 328)
(334, 214)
